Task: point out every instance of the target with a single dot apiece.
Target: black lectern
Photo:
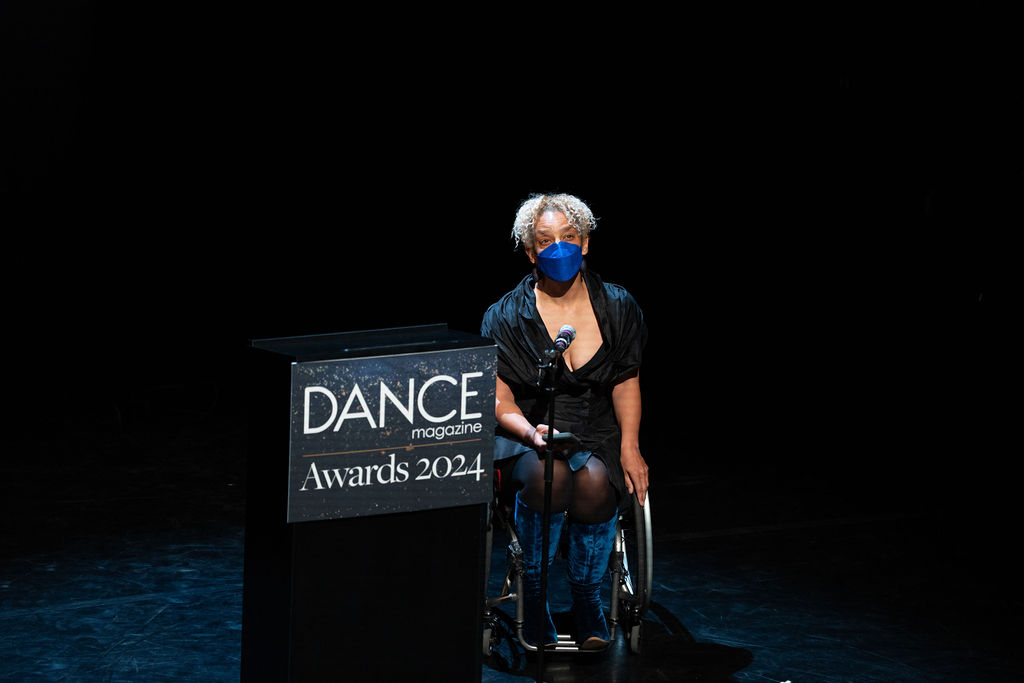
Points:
(368, 474)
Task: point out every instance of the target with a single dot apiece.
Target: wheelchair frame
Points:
(630, 587)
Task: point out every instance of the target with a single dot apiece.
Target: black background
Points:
(818, 235)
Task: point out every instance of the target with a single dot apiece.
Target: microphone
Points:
(565, 336)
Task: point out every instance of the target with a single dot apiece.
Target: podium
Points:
(368, 476)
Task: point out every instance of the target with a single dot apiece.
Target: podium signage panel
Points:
(387, 434)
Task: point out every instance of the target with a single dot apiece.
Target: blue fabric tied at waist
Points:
(505, 447)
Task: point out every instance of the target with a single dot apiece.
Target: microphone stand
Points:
(546, 372)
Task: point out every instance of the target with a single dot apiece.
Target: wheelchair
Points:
(629, 568)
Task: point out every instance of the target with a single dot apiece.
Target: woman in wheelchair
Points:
(597, 399)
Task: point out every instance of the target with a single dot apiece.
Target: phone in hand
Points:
(565, 442)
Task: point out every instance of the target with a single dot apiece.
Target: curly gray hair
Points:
(575, 211)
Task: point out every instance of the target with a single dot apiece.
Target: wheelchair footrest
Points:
(566, 643)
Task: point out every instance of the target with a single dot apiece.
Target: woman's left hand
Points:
(635, 468)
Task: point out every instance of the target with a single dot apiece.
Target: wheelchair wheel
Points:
(634, 572)
(488, 644)
(634, 638)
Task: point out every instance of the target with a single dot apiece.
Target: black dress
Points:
(583, 400)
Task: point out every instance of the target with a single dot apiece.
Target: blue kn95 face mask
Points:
(560, 261)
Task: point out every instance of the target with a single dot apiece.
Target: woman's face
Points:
(551, 227)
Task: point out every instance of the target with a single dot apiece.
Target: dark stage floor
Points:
(122, 559)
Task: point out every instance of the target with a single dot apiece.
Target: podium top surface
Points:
(416, 339)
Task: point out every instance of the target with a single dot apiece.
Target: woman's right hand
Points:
(534, 437)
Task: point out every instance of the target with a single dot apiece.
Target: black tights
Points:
(587, 494)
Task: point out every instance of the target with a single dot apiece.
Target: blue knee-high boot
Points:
(530, 526)
(590, 546)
